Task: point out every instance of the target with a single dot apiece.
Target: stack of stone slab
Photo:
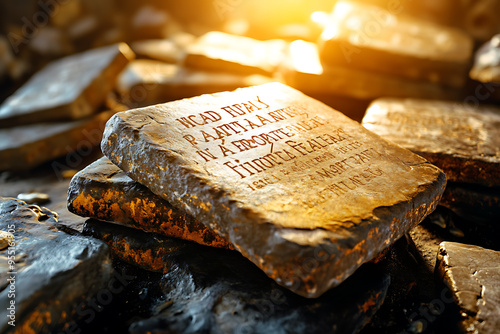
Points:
(305, 193)
(60, 109)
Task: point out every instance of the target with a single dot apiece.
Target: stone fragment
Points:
(105, 192)
(25, 147)
(53, 272)
(209, 290)
(371, 38)
(235, 54)
(305, 72)
(301, 190)
(486, 68)
(461, 140)
(70, 88)
(34, 198)
(145, 82)
(471, 273)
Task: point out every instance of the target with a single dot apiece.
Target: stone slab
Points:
(471, 273)
(54, 272)
(145, 82)
(105, 192)
(371, 38)
(235, 54)
(301, 190)
(305, 72)
(209, 290)
(69, 88)
(25, 147)
(463, 141)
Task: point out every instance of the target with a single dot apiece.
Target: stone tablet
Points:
(53, 275)
(461, 140)
(145, 82)
(69, 88)
(305, 72)
(235, 54)
(301, 190)
(371, 38)
(209, 290)
(471, 273)
(25, 147)
(103, 191)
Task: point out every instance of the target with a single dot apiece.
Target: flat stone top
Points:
(373, 27)
(438, 128)
(268, 154)
(471, 273)
(62, 81)
(239, 49)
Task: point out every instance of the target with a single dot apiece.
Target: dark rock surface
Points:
(463, 141)
(305, 193)
(471, 273)
(475, 203)
(401, 45)
(52, 273)
(105, 192)
(209, 290)
(70, 88)
(25, 147)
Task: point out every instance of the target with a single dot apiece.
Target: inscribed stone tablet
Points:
(70, 88)
(461, 140)
(105, 192)
(301, 190)
(471, 273)
(369, 37)
(25, 147)
(235, 54)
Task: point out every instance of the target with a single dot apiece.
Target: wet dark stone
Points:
(210, 290)
(471, 273)
(53, 273)
(324, 190)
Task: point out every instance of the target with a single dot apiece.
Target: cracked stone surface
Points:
(25, 147)
(209, 290)
(69, 88)
(145, 82)
(471, 273)
(305, 72)
(319, 196)
(235, 54)
(103, 191)
(399, 45)
(53, 272)
(463, 141)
